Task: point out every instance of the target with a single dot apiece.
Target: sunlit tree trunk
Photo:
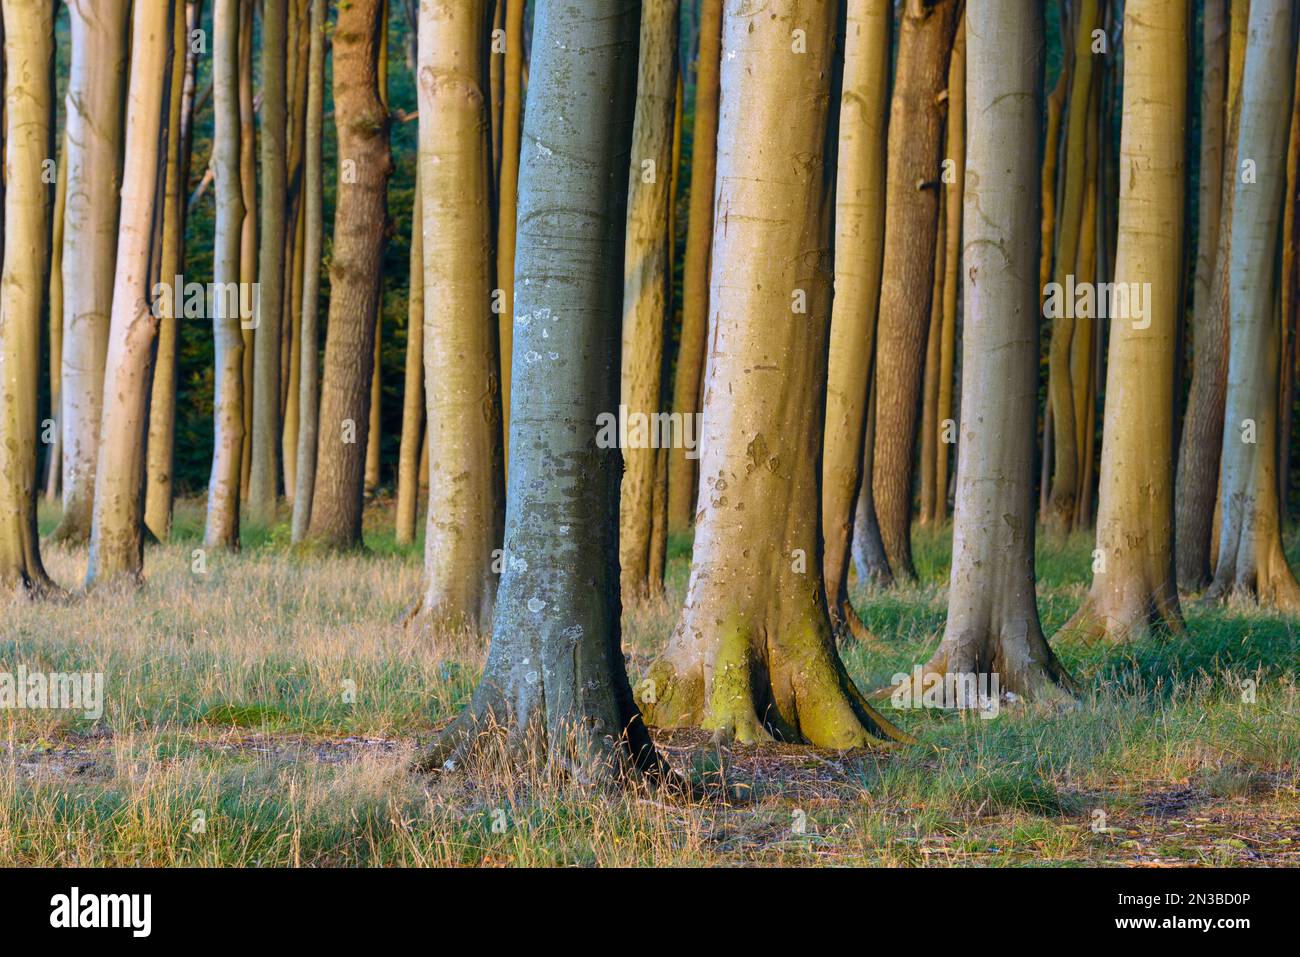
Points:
(511, 126)
(461, 362)
(753, 655)
(555, 678)
(408, 456)
(265, 466)
(954, 191)
(222, 529)
(28, 141)
(117, 524)
(1133, 590)
(646, 289)
(682, 473)
(161, 439)
(916, 125)
(859, 239)
(94, 137)
(1251, 561)
(313, 237)
(360, 220)
(371, 479)
(248, 240)
(993, 625)
(53, 454)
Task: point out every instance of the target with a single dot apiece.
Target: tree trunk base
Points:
(1124, 620)
(783, 683)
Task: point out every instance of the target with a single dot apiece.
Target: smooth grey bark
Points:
(264, 470)
(993, 626)
(309, 363)
(555, 678)
(94, 143)
(222, 528)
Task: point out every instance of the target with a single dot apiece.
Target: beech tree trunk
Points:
(248, 240)
(993, 625)
(94, 139)
(646, 290)
(508, 189)
(869, 559)
(313, 237)
(461, 361)
(554, 678)
(28, 142)
(222, 528)
(265, 467)
(1063, 501)
(753, 655)
(682, 473)
(1133, 591)
(859, 245)
(916, 125)
(160, 443)
(1250, 561)
(408, 457)
(1202, 435)
(117, 523)
(360, 220)
(956, 150)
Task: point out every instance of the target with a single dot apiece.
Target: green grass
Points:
(263, 713)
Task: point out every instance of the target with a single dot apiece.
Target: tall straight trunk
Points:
(1251, 561)
(248, 240)
(993, 625)
(160, 443)
(408, 456)
(28, 140)
(859, 245)
(313, 238)
(869, 560)
(94, 136)
(682, 474)
(117, 523)
(360, 219)
(916, 126)
(929, 435)
(753, 655)
(265, 467)
(222, 528)
(1062, 501)
(1202, 434)
(508, 188)
(954, 192)
(555, 677)
(54, 453)
(646, 290)
(462, 398)
(1082, 347)
(1289, 299)
(293, 355)
(371, 480)
(1133, 590)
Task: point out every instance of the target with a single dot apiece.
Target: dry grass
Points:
(230, 738)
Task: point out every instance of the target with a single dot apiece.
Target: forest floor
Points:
(262, 711)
